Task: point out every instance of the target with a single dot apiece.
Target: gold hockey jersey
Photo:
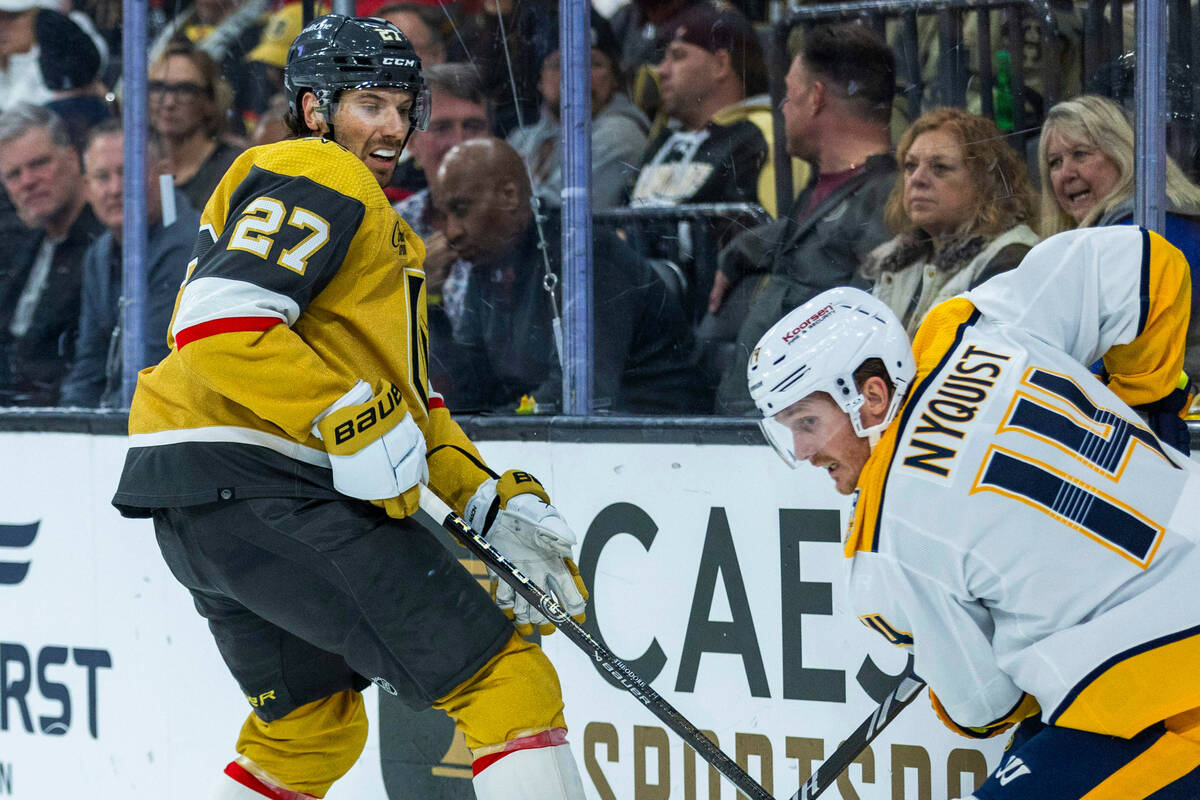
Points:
(1018, 526)
(303, 281)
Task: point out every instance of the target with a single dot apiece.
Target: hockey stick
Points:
(907, 688)
(457, 527)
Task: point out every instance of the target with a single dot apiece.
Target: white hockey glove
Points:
(515, 515)
(375, 447)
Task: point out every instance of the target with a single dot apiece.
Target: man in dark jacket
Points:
(39, 284)
(504, 338)
(94, 379)
(836, 113)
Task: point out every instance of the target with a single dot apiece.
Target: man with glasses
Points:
(279, 448)
(39, 280)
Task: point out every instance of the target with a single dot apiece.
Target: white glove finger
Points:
(524, 614)
(566, 593)
(505, 596)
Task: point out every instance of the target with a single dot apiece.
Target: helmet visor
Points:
(804, 428)
(780, 438)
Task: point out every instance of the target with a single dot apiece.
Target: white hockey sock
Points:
(537, 767)
(243, 781)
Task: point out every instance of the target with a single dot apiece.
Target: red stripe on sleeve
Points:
(436, 401)
(226, 325)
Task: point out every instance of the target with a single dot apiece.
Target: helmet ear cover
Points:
(817, 348)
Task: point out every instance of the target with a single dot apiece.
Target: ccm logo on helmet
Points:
(367, 419)
(820, 314)
(399, 62)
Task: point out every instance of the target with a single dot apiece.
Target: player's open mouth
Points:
(384, 154)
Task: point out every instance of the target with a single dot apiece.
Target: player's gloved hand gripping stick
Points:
(513, 512)
(548, 607)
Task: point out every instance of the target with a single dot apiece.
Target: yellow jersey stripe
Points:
(1167, 760)
(1148, 368)
(1137, 688)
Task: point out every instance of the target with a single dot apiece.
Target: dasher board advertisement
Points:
(715, 574)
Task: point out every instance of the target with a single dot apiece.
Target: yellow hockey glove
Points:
(515, 515)
(1026, 707)
(375, 448)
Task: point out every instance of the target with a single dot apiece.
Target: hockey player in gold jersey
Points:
(280, 444)
(1016, 525)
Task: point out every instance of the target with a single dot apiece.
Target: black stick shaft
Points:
(907, 689)
(432, 505)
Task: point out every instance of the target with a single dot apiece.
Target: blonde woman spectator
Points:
(960, 211)
(1085, 158)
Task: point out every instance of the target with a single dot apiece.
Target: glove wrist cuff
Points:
(359, 393)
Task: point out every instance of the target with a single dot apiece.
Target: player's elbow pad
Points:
(1027, 706)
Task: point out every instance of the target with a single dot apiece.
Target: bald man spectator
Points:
(94, 379)
(642, 344)
(39, 284)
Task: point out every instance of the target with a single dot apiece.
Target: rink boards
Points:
(715, 575)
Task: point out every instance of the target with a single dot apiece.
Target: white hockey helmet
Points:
(816, 348)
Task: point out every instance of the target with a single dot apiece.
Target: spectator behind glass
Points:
(20, 74)
(1085, 158)
(516, 34)
(423, 27)
(642, 341)
(187, 103)
(960, 209)
(638, 26)
(718, 147)
(836, 115)
(39, 285)
(226, 31)
(618, 128)
(281, 27)
(458, 113)
(95, 375)
(70, 64)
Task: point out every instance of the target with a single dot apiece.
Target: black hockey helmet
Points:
(334, 53)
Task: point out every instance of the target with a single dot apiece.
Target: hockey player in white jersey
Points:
(1016, 525)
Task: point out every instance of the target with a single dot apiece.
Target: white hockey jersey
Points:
(1018, 526)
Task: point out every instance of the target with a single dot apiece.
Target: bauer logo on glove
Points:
(380, 409)
(376, 449)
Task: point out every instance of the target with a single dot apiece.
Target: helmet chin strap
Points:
(873, 433)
